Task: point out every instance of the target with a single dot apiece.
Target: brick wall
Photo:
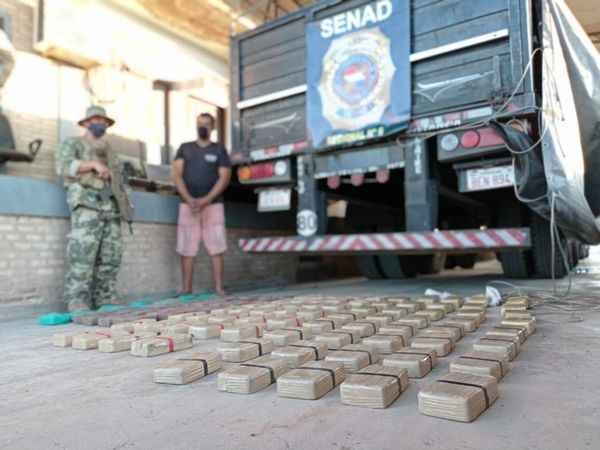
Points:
(32, 264)
(22, 23)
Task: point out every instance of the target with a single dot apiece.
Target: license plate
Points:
(492, 178)
(274, 200)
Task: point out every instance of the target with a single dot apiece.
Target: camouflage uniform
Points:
(94, 247)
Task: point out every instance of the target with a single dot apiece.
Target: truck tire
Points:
(369, 267)
(397, 267)
(516, 264)
(541, 249)
(466, 261)
(431, 264)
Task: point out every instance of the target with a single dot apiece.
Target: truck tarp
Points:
(570, 124)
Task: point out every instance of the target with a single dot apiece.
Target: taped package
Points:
(418, 322)
(497, 332)
(479, 299)
(385, 343)
(319, 326)
(180, 328)
(468, 325)
(251, 377)
(130, 326)
(188, 369)
(397, 313)
(454, 333)
(445, 308)
(476, 308)
(364, 310)
(521, 300)
(331, 309)
(528, 324)
(354, 356)
(90, 339)
(306, 316)
(481, 363)
(245, 350)
(239, 333)
(188, 315)
(154, 326)
(374, 386)
(458, 396)
(300, 353)
(224, 320)
(311, 381)
(287, 336)
(478, 316)
(206, 331)
(379, 306)
(159, 345)
(453, 300)
(347, 317)
(65, 339)
(428, 299)
(518, 328)
(520, 314)
(380, 318)
(418, 362)
(117, 344)
(339, 338)
(365, 328)
(283, 322)
(196, 321)
(406, 331)
(507, 346)
(442, 345)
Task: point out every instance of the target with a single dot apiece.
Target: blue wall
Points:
(30, 197)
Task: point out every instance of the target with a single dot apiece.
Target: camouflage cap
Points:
(96, 111)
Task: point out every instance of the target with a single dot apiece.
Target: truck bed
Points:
(465, 55)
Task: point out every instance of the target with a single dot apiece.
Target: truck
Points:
(443, 128)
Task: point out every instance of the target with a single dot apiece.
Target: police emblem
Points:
(356, 80)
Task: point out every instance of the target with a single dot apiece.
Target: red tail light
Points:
(470, 139)
(256, 171)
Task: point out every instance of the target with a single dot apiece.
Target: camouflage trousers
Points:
(94, 252)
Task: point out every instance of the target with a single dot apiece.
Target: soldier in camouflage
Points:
(98, 201)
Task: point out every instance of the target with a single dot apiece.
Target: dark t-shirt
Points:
(201, 167)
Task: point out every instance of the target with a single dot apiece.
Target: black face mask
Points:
(203, 132)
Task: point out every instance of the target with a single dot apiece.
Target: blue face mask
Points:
(97, 129)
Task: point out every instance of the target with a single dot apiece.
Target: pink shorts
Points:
(208, 226)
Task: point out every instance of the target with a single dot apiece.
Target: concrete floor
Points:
(64, 398)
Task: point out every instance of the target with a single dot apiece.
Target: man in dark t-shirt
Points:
(201, 172)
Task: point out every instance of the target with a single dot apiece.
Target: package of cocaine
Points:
(453, 300)
(468, 325)
(469, 307)
(478, 316)
(458, 396)
(418, 322)
(521, 300)
(479, 299)
(90, 339)
(188, 315)
(385, 343)
(253, 376)
(180, 328)
(287, 336)
(519, 328)
(239, 333)
(410, 308)
(521, 314)
(428, 299)
(188, 369)
(505, 345)
(432, 314)
(311, 380)
(396, 312)
(445, 308)
(319, 326)
(307, 316)
(332, 309)
(159, 345)
(206, 331)
(364, 327)
(283, 322)
(374, 386)
(296, 354)
(442, 345)
(454, 333)
(481, 363)
(224, 320)
(130, 326)
(497, 332)
(528, 324)
(154, 326)
(395, 299)
(338, 338)
(318, 348)
(354, 356)
(117, 344)
(194, 321)
(345, 317)
(244, 350)
(380, 318)
(418, 362)
(65, 339)
(364, 310)
(406, 331)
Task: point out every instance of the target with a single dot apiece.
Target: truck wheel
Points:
(431, 264)
(466, 261)
(397, 267)
(541, 249)
(518, 264)
(369, 267)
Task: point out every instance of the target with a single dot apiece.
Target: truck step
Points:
(468, 241)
